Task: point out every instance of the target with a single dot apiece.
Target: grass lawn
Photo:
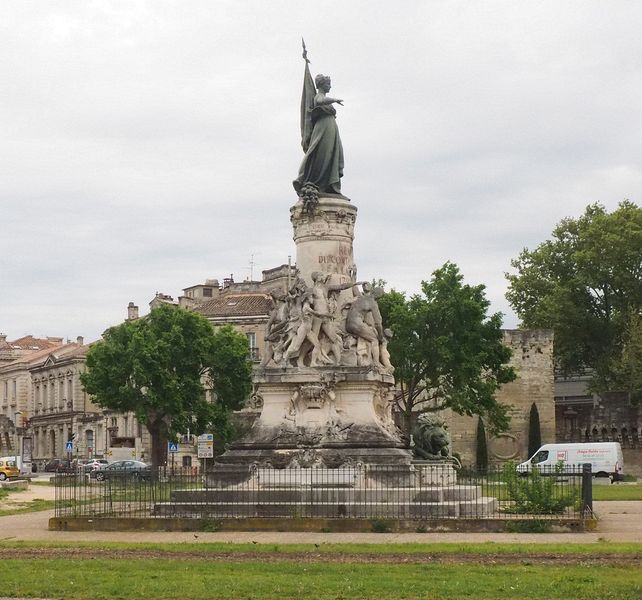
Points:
(196, 579)
(325, 572)
(617, 492)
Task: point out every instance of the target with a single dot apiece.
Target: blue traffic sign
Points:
(69, 446)
(172, 446)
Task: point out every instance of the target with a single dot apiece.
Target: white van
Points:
(605, 458)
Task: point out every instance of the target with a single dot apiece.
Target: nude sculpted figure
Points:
(327, 326)
(364, 319)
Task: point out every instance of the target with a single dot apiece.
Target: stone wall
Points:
(533, 362)
(632, 461)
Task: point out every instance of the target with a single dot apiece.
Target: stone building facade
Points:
(583, 416)
(248, 312)
(246, 305)
(42, 400)
(15, 389)
(59, 403)
(532, 360)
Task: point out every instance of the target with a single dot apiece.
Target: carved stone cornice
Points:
(331, 219)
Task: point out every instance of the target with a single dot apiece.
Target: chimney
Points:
(3, 337)
(80, 340)
(132, 312)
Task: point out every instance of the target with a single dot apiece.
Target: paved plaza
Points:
(618, 522)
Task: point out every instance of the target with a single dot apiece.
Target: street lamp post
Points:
(15, 424)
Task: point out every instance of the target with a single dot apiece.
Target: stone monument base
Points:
(416, 491)
(319, 417)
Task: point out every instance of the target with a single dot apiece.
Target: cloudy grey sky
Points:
(150, 145)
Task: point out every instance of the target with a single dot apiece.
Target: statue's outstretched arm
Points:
(337, 287)
(323, 99)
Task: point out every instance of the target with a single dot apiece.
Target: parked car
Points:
(122, 469)
(59, 465)
(93, 465)
(8, 469)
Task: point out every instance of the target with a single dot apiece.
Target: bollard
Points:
(587, 490)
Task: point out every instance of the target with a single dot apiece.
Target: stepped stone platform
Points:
(421, 492)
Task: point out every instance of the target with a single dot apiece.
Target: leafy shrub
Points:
(210, 525)
(537, 493)
(379, 526)
(533, 526)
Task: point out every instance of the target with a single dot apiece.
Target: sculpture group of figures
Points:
(310, 326)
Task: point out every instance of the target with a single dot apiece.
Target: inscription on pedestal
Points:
(340, 263)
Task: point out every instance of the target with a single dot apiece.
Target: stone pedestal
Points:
(417, 491)
(324, 391)
(435, 474)
(325, 417)
(324, 237)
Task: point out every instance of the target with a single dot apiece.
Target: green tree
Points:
(481, 457)
(159, 367)
(534, 431)
(447, 351)
(586, 284)
(627, 368)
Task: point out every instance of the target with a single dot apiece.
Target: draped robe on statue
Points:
(322, 164)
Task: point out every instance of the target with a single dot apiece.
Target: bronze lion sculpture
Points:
(431, 440)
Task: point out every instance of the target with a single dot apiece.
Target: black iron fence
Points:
(422, 491)
(626, 440)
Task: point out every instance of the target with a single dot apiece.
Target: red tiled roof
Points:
(28, 342)
(237, 305)
(40, 356)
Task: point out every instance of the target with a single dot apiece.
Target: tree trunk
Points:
(158, 432)
(407, 418)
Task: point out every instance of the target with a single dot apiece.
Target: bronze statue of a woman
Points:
(322, 165)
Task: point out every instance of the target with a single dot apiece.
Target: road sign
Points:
(172, 446)
(205, 447)
(69, 446)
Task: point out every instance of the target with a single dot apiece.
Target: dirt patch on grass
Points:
(24, 497)
(329, 557)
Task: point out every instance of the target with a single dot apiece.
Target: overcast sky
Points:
(148, 146)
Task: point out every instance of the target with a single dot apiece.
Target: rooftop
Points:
(237, 305)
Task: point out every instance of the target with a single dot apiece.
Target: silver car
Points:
(122, 469)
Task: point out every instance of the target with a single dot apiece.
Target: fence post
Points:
(587, 490)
